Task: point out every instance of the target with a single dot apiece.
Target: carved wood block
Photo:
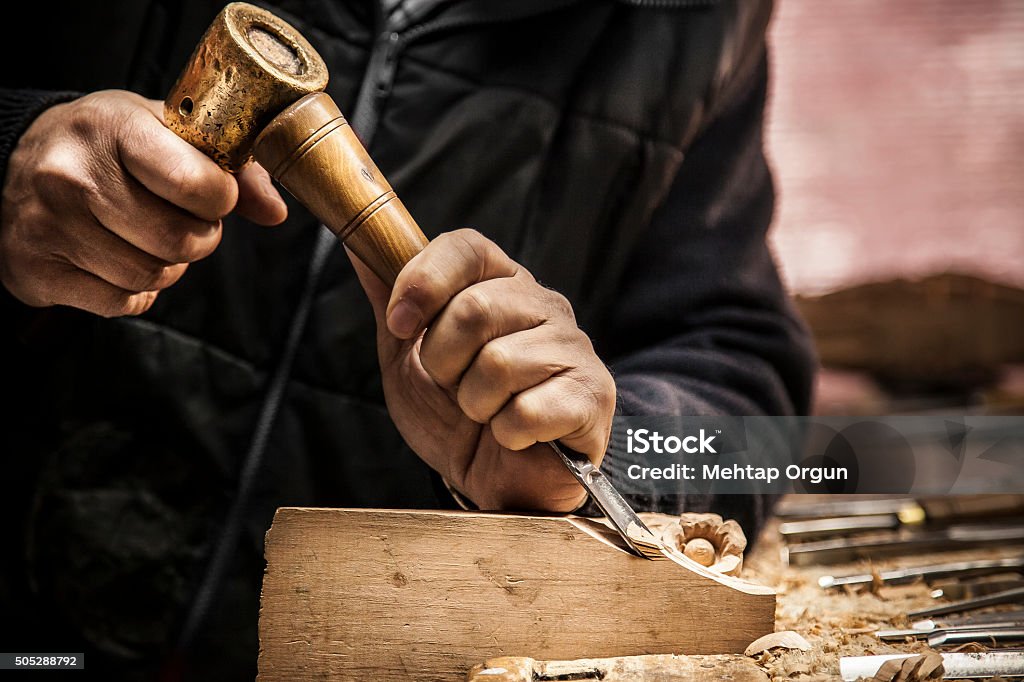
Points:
(423, 595)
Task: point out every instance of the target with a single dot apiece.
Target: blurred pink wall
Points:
(896, 133)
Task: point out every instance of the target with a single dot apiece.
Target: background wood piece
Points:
(945, 331)
(424, 595)
(663, 668)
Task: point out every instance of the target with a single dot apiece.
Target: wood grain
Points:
(423, 595)
(311, 149)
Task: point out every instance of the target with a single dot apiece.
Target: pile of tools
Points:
(977, 622)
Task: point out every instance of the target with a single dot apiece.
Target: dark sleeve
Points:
(18, 108)
(703, 325)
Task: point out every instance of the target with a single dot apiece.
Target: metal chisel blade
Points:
(633, 530)
(958, 569)
(919, 633)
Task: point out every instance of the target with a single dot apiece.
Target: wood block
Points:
(356, 594)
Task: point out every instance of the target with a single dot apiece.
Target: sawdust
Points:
(838, 622)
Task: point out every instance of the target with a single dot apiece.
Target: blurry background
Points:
(896, 133)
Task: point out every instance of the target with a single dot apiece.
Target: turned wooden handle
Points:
(312, 150)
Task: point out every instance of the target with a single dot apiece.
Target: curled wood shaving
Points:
(787, 639)
(725, 537)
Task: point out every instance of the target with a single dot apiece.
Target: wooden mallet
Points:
(253, 88)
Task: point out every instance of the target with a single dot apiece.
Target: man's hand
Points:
(481, 365)
(103, 206)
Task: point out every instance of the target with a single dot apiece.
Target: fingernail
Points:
(404, 319)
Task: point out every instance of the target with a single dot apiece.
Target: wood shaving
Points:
(787, 639)
(725, 537)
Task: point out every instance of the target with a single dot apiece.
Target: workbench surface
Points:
(842, 622)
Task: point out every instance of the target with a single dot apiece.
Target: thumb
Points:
(258, 199)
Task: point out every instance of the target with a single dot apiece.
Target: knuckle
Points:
(187, 179)
(471, 404)
(469, 237)
(114, 306)
(559, 304)
(472, 309)
(596, 393)
(123, 305)
(168, 275)
(153, 277)
(475, 247)
(527, 412)
(495, 363)
(90, 114)
(185, 245)
(509, 433)
(59, 171)
(423, 282)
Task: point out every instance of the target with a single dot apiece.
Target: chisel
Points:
(957, 569)
(1014, 596)
(917, 633)
(622, 517)
(977, 666)
(966, 536)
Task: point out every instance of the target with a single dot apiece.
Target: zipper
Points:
(377, 82)
(383, 63)
(379, 77)
(389, 62)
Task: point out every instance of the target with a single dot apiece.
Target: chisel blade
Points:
(633, 530)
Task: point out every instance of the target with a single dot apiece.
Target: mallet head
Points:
(248, 67)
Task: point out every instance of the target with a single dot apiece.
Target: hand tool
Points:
(253, 89)
(904, 513)
(632, 529)
(919, 633)
(958, 569)
(983, 635)
(1015, 616)
(794, 508)
(907, 509)
(952, 590)
(1014, 596)
(797, 531)
(958, 666)
(965, 536)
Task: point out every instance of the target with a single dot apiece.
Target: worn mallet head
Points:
(254, 87)
(248, 67)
